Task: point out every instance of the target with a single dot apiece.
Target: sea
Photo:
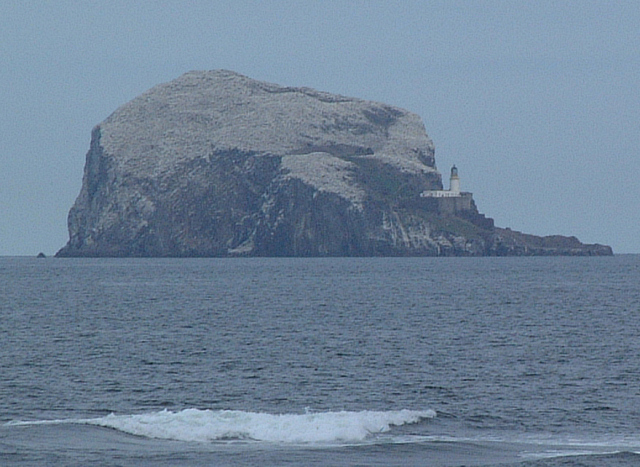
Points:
(527, 361)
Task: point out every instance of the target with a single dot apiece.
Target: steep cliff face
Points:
(217, 164)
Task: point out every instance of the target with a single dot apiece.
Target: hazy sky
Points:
(537, 103)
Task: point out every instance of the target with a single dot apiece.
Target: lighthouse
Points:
(454, 181)
(450, 201)
(452, 192)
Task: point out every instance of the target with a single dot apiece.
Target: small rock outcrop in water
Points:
(217, 164)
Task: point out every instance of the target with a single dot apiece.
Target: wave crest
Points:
(218, 425)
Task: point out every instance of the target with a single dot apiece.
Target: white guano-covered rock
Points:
(215, 163)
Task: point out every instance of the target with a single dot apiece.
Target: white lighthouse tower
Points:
(454, 181)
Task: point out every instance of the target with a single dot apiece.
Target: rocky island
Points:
(217, 164)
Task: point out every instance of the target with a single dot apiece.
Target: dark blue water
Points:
(430, 361)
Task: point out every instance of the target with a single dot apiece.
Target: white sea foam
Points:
(213, 425)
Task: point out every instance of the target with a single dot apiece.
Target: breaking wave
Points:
(220, 425)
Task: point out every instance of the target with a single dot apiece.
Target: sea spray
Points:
(214, 425)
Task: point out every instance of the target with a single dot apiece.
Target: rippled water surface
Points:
(412, 361)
